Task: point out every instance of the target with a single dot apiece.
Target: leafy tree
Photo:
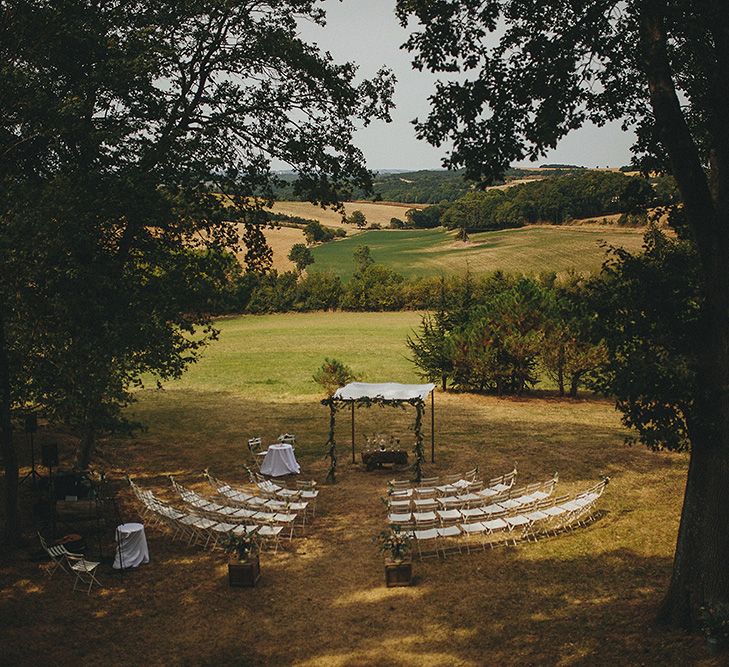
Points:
(301, 256)
(648, 310)
(424, 218)
(319, 290)
(362, 258)
(396, 223)
(334, 374)
(357, 218)
(315, 232)
(431, 346)
(122, 125)
(659, 66)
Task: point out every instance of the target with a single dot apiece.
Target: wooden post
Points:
(354, 460)
(432, 426)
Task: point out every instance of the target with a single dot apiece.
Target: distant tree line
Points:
(554, 200)
(428, 186)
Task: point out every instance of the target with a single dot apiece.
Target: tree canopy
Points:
(136, 143)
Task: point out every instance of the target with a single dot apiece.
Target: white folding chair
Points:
(58, 555)
(84, 571)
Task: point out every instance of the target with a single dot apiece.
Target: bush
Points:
(375, 225)
(319, 290)
(333, 374)
(315, 232)
(396, 223)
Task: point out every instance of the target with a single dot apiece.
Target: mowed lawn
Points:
(584, 598)
(528, 250)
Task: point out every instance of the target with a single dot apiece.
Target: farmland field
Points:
(584, 598)
(534, 249)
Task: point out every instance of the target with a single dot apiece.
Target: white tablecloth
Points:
(280, 460)
(131, 549)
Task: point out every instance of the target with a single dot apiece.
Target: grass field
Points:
(529, 250)
(584, 598)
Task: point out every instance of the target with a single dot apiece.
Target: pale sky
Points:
(366, 32)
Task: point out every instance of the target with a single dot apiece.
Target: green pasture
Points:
(529, 250)
(273, 357)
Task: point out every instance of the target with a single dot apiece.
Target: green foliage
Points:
(393, 543)
(315, 232)
(321, 290)
(373, 286)
(301, 256)
(134, 144)
(241, 546)
(357, 218)
(396, 223)
(425, 218)
(648, 309)
(554, 200)
(495, 335)
(334, 374)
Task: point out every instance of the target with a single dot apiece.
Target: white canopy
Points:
(389, 391)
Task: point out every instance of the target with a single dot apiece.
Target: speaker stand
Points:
(32, 474)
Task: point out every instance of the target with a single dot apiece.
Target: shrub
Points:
(333, 374)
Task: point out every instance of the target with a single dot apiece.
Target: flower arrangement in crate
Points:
(394, 544)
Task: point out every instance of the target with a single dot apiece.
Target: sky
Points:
(366, 32)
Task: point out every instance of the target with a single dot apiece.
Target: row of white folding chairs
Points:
(495, 486)
(492, 494)
(243, 499)
(228, 513)
(543, 518)
(305, 490)
(462, 508)
(198, 529)
(406, 487)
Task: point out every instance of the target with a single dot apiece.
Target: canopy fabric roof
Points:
(389, 391)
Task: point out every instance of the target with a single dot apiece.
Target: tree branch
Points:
(671, 124)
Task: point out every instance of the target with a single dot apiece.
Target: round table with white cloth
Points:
(131, 549)
(280, 460)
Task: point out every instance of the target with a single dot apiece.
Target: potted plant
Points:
(244, 567)
(715, 623)
(395, 545)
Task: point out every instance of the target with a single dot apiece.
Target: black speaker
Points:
(31, 423)
(49, 455)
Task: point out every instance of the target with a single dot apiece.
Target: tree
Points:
(301, 256)
(315, 232)
(333, 374)
(659, 65)
(134, 140)
(357, 218)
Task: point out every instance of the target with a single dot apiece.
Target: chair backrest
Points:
(287, 438)
(471, 475)
(428, 481)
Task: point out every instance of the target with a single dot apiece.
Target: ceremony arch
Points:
(365, 394)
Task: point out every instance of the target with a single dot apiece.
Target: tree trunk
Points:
(700, 572)
(86, 447)
(574, 385)
(10, 459)
(444, 379)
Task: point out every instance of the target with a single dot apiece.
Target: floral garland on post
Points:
(331, 444)
(418, 428)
